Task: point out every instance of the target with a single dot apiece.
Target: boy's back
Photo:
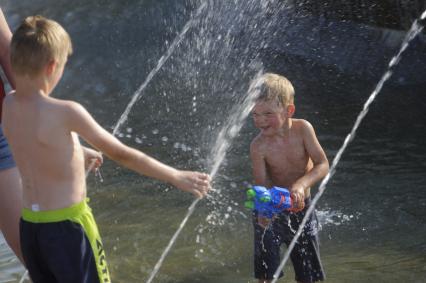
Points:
(48, 154)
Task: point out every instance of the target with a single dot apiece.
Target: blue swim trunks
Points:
(6, 159)
(63, 246)
(305, 255)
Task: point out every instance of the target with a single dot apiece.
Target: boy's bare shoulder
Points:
(62, 103)
(67, 107)
(302, 125)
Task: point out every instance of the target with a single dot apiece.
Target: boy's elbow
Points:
(326, 168)
(121, 156)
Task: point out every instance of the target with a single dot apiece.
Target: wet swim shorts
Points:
(6, 159)
(305, 255)
(63, 246)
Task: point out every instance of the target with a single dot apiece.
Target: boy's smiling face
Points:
(269, 117)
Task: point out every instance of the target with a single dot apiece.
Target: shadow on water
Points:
(373, 214)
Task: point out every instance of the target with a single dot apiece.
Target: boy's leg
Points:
(67, 252)
(306, 260)
(305, 255)
(10, 195)
(31, 252)
(266, 251)
(92, 232)
(10, 208)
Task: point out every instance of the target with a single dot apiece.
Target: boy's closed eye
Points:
(266, 114)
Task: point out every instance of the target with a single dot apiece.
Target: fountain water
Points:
(215, 78)
(223, 142)
(412, 33)
(136, 96)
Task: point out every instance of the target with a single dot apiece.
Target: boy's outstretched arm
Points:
(81, 122)
(319, 160)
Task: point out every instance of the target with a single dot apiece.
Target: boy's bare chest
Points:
(286, 155)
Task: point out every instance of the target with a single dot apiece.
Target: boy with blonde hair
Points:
(59, 238)
(286, 153)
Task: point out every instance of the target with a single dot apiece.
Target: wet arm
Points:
(5, 39)
(260, 174)
(318, 157)
(81, 122)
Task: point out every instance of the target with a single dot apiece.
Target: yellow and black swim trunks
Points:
(63, 245)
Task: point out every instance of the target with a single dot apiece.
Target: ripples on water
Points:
(373, 214)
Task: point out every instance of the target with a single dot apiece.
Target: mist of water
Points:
(223, 142)
(136, 96)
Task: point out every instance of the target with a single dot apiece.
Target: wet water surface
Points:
(373, 212)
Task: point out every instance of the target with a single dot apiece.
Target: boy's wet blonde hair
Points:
(36, 43)
(276, 88)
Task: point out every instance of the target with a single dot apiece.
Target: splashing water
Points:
(415, 29)
(223, 142)
(136, 96)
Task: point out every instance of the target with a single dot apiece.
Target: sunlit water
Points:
(373, 215)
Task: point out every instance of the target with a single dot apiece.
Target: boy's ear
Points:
(50, 67)
(290, 110)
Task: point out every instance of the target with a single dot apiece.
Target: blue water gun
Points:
(269, 202)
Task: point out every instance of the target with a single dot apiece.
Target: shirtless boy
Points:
(59, 238)
(286, 153)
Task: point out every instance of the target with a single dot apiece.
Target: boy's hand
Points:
(298, 196)
(91, 156)
(194, 182)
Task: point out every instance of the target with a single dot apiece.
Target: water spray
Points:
(412, 33)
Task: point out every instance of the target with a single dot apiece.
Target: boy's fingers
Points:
(203, 188)
(197, 190)
(198, 194)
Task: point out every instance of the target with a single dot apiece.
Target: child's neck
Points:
(285, 129)
(39, 85)
(282, 132)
